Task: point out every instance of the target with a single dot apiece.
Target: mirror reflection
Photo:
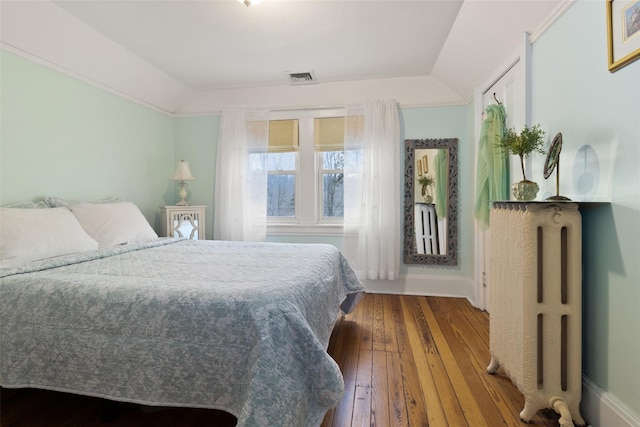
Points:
(430, 201)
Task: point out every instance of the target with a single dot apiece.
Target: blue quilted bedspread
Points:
(236, 326)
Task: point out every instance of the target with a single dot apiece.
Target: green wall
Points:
(449, 122)
(62, 137)
(196, 141)
(574, 93)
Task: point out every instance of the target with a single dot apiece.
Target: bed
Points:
(237, 326)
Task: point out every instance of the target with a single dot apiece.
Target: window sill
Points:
(304, 230)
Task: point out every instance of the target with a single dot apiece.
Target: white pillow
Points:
(112, 224)
(29, 205)
(58, 202)
(33, 234)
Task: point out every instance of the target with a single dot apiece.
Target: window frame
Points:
(295, 173)
(320, 172)
(308, 218)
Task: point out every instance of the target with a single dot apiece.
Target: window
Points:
(331, 179)
(282, 167)
(328, 140)
(281, 185)
(305, 193)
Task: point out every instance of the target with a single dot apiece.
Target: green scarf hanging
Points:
(441, 167)
(492, 180)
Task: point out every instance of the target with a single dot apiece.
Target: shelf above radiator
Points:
(581, 205)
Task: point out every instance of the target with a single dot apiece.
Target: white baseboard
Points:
(415, 284)
(601, 409)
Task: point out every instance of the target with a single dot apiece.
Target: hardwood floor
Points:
(406, 361)
(421, 361)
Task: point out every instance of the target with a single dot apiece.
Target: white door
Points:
(510, 89)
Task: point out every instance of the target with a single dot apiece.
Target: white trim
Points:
(526, 58)
(424, 285)
(274, 229)
(301, 113)
(278, 108)
(478, 291)
(553, 17)
(479, 283)
(81, 77)
(600, 409)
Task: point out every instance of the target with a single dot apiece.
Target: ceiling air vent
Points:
(302, 78)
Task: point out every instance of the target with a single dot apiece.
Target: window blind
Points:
(328, 134)
(283, 136)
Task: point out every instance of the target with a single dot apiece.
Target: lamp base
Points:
(183, 194)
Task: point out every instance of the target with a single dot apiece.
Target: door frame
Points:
(523, 115)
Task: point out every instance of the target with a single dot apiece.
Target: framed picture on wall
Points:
(623, 32)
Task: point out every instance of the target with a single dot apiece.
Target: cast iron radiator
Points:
(535, 304)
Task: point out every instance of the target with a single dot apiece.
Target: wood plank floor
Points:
(421, 361)
(406, 361)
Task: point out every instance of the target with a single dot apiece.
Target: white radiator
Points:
(426, 225)
(535, 301)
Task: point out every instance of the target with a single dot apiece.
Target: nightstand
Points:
(183, 221)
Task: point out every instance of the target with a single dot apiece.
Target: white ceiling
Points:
(203, 46)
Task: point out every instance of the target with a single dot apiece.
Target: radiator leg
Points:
(493, 365)
(575, 413)
(561, 407)
(528, 412)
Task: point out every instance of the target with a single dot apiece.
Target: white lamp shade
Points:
(182, 173)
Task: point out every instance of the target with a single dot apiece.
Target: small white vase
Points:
(525, 190)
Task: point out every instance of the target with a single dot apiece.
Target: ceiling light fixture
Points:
(250, 2)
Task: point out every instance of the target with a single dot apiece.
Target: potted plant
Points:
(522, 144)
(427, 181)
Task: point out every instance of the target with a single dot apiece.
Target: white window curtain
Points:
(372, 191)
(241, 175)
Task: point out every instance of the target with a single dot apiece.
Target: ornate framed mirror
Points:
(431, 201)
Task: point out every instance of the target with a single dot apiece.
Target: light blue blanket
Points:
(236, 326)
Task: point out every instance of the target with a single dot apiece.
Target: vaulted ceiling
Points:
(187, 48)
